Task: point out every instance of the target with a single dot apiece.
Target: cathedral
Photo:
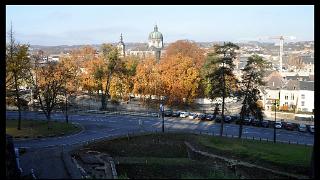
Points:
(154, 47)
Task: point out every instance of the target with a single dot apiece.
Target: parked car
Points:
(175, 114)
(310, 128)
(210, 117)
(168, 113)
(247, 120)
(289, 126)
(184, 114)
(202, 116)
(234, 117)
(302, 128)
(192, 116)
(218, 119)
(256, 122)
(227, 119)
(278, 125)
(265, 124)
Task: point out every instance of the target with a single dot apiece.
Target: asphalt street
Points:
(44, 155)
(100, 125)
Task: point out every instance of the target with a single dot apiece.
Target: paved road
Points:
(44, 155)
(100, 125)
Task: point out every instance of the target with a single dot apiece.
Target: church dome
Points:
(155, 34)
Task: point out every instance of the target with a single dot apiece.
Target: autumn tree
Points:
(180, 79)
(17, 69)
(71, 67)
(113, 63)
(221, 73)
(252, 80)
(122, 83)
(145, 78)
(187, 49)
(50, 84)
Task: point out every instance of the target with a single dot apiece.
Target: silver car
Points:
(302, 128)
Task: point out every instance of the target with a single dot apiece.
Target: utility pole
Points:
(66, 95)
(275, 120)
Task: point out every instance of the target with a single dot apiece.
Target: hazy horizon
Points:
(79, 25)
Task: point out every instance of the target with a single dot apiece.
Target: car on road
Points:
(278, 125)
(234, 117)
(256, 122)
(175, 114)
(184, 114)
(311, 128)
(218, 119)
(210, 117)
(168, 113)
(302, 128)
(202, 116)
(227, 119)
(247, 120)
(192, 116)
(289, 126)
(265, 124)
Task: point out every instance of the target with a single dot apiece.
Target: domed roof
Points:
(155, 34)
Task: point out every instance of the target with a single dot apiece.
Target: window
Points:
(286, 97)
(302, 103)
(303, 96)
(292, 96)
(286, 103)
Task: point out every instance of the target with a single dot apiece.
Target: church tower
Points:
(121, 47)
(156, 42)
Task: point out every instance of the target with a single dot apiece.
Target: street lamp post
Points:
(275, 120)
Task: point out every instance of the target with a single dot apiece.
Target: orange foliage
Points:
(188, 49)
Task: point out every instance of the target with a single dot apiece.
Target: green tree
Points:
(114, 65)
(17, 69)
(252, 80)
(221, 80)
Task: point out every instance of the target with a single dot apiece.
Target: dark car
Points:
(227, 119)
(256, 122)
(218, 119)
(167, 113)
(202, 116)
(247, 120)
(310, 128)
(234, 118)
(210, 117)
(289, 126)
(175, 114)
(265, 124)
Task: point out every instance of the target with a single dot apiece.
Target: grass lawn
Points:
(166, 156)
(38, 128)
(284, 155)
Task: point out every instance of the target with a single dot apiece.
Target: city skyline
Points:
(75, 25)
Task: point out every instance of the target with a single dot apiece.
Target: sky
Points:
(76, 25)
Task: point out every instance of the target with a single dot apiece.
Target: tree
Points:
(113, 62)
(187, 49)
(180, 79)
(71, 69)
(17, 69)
(252, 79)
(145, 78)
(221, 80)
(49, 84)
(216, 109)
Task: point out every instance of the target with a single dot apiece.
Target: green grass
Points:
(282, 154)
(165, 156)
(36, 128)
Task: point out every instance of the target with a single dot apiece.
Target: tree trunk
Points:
(49, 119)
